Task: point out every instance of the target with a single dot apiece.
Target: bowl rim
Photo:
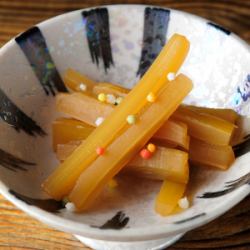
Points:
(126, 234)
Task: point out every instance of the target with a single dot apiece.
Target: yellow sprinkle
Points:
(112, 183)
(151, 147)
(151, 97)
(102, 97)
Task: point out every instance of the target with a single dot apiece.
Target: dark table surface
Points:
(19, 231)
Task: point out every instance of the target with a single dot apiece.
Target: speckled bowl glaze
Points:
(117, 44)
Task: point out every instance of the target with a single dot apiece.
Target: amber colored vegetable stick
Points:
(204, 154)
(168, 197)
(62, 180)
(166, 163)
(65, 130)
(78, 82)
(206, 127)
(226, 114)
(124, 147)
(82, 107)
(173, 132)
(109, 88)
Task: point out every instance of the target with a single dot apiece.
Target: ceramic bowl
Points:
(117, 44)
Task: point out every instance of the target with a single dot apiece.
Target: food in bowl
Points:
(129, 132)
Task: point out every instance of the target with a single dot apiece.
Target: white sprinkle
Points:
(183, 203)
(82, 87)
(118, 100)
(111, 99)
(70, 207)
(99, 121)
(171, 76)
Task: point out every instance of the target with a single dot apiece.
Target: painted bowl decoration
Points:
(116, 44)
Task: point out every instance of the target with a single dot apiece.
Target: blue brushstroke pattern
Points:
(12, 115)
(98, 35)
(33, 45)
(154, 36)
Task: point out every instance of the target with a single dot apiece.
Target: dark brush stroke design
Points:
(220, 28)
(154, 36)
(12, 115)
(229, 187)
(33, 45)
(190, 218)
(12, 162)
(117, 222)
(243, 147)
(98, 36)
(48, 205)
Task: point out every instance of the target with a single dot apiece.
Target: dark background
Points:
(19, 231)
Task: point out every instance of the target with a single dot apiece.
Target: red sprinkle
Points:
(145, 154)
(100, 151)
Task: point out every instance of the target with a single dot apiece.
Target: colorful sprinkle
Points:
(171, 76)
(118, 100)
(82, 87)
(102, 97)
(99, 121)
(111, 99)
(151, 97)
(112, 183)
(151, 147)
(183, 203)
(131, 119)
(100, 151)
(145, 154)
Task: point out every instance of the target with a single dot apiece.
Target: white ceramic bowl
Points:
(116, 44)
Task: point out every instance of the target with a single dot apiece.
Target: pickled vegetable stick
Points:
(166, 163)
(78, 82)
(204, 154)
(65, 130)
(226, 114)
(205, 127)
(171, 133)
(168, 197)
(109, 88)
(124, 147)
(82, 107)
(62, 180)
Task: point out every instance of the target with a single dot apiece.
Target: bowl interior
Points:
(115, 44)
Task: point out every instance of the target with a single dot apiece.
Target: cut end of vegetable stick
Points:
(65, 130)
(204, 154)
(166, 163)
(78, 82)
(96, 176)
(205, 127)
(173, 132)
(168, 197)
